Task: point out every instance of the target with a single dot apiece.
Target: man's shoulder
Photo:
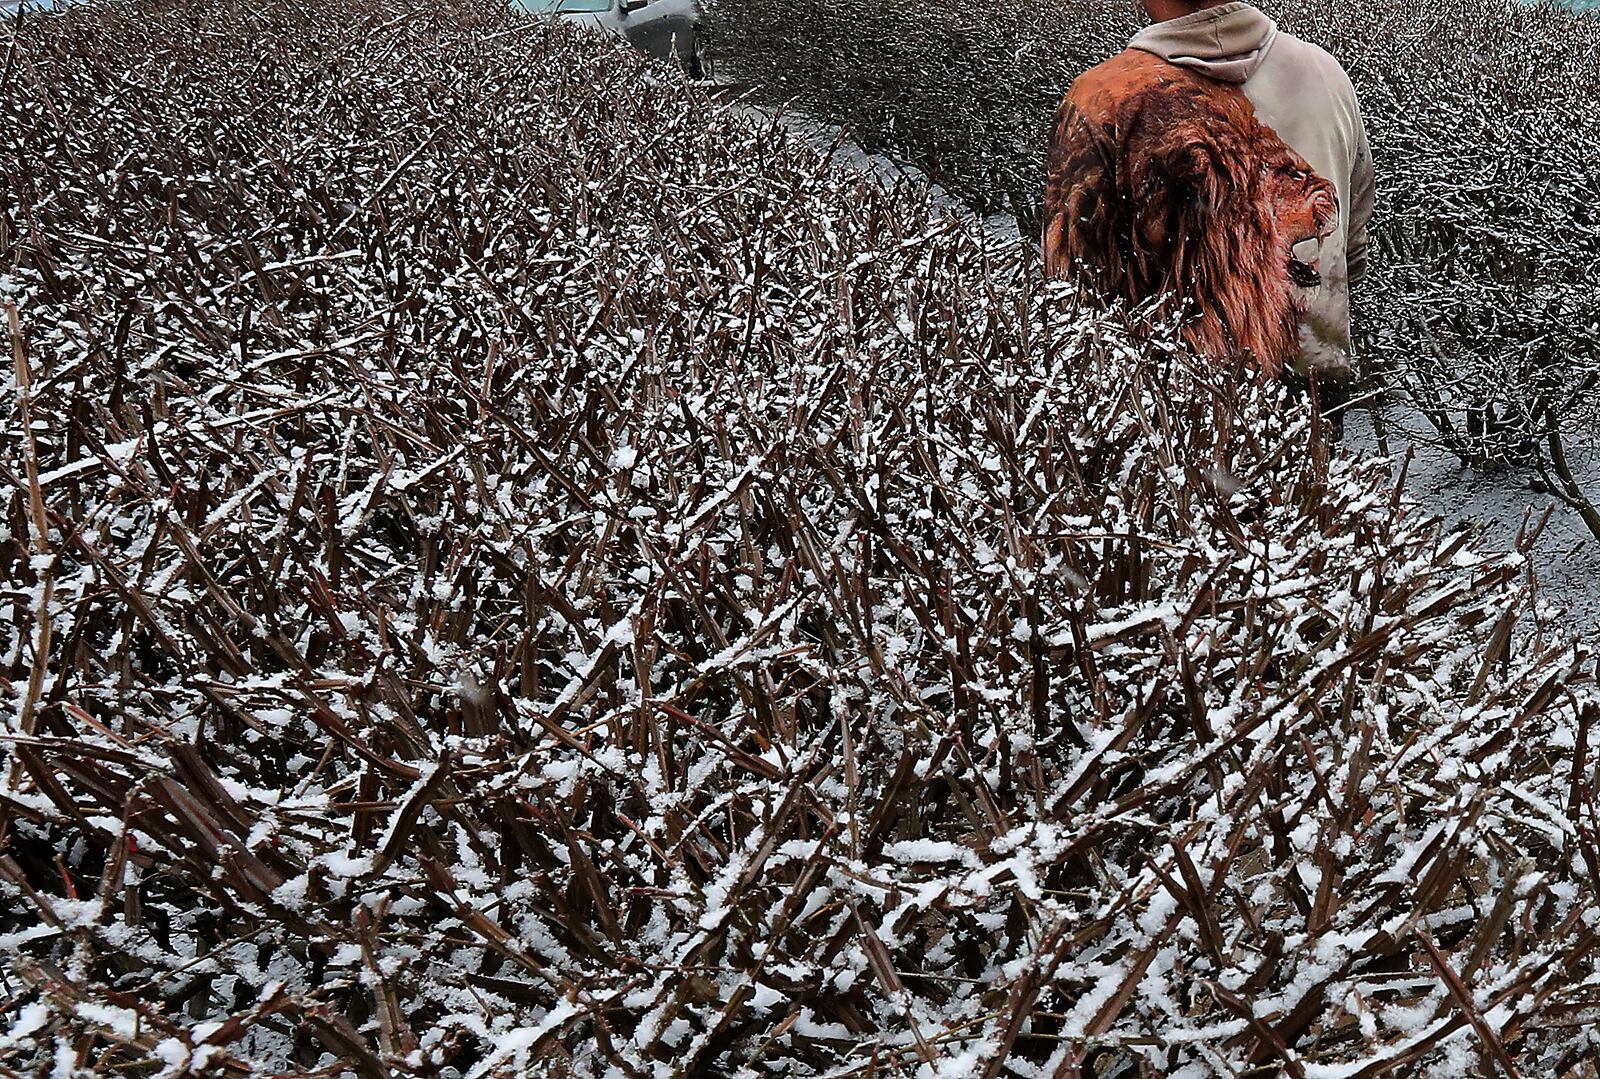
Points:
(1308, 55)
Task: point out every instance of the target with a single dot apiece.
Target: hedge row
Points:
(508, 567)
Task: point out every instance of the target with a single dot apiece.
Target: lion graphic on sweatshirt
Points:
(1163, 181)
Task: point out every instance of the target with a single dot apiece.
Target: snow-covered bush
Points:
(963, 90)
(1482, 305)
(509, 568)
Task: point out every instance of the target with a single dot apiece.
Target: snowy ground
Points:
(1566, 558)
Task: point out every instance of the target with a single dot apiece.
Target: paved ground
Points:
(1566, 557)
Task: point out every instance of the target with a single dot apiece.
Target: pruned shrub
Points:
(965, 91)
(510, 568)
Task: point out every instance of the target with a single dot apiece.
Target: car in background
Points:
(665, 28)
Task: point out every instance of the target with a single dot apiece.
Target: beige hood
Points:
(1226, 43)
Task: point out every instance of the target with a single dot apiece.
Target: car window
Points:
(541, 7)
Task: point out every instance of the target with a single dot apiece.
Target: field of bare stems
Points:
(511, 568)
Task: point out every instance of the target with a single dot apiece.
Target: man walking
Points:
(1224, 161)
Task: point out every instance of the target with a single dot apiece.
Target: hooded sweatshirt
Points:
(1302, 94)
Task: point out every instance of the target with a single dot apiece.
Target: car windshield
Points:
(541, 7)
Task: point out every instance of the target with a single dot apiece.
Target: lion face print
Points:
(1163, 182)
